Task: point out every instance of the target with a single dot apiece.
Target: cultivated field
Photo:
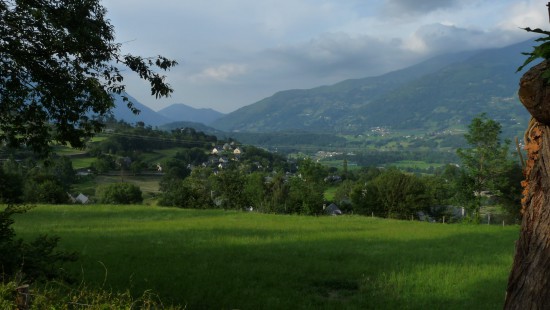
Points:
(233, 260)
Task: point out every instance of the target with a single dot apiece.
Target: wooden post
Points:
(23, 298)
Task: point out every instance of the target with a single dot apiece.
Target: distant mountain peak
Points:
(182, 112)
(178, 112)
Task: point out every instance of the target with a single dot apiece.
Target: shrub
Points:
(31, 261)
(119, 193)
(46, 191)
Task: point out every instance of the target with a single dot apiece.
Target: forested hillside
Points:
(440, 93)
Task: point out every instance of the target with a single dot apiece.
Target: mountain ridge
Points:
(174, 113)
(437, 94)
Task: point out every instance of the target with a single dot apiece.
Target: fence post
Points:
(22, 298)
(443, 219)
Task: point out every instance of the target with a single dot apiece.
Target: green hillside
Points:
(438, 94)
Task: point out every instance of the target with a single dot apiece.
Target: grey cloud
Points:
(338, 55)
(440, 38)
(408, 7)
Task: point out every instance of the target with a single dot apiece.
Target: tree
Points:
(60, 65)
(10, 187)
(528, 281)
(229, 188)
(391, 194)
(119, 193)
(485, 163)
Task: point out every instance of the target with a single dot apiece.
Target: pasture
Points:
(214, 259)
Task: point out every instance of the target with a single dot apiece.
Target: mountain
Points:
(437, 94)
(180, 112)
(171, 114)
(146, 115)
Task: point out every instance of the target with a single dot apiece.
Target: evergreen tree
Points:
(485, 164)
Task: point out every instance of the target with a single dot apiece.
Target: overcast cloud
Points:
(234, 53)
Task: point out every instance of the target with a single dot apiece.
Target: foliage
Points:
(103, 163)
(485, 163)
(44, 181)
(60, 64)
(119, 193)
(392, 194)
(195, 191)
(32, 261)
(44, 189)
(11, 185)
(540, 51)
(229, 189)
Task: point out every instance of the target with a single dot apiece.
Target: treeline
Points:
(377, 158)
(487, 176)
(123, 139)
(36, 181)
(370, 191)
(123, 146)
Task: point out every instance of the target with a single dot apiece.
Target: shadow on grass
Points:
(301, 268)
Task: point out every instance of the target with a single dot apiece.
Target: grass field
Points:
(214, 259)
(415, 164)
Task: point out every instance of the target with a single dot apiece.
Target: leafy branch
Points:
(540, 51)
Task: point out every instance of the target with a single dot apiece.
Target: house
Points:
(332, 209)
(81, 198)
(237, 151)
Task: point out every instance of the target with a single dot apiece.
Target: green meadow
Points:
(214, 259)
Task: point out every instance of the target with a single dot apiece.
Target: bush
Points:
(119, 193)
(30, 261)
(46, 191)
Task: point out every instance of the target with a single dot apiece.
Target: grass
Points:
(415, 164)
(211, 259)
(330, 193)
(82, 162)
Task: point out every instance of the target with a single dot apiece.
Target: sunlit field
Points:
(218, 259)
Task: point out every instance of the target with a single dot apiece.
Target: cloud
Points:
(222, 72)
(236, 52)
(336, 55)
(417, 7)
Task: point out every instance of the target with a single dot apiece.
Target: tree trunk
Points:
(529, 281)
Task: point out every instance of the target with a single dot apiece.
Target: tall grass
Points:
(212, 259)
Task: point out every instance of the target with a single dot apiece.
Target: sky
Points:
(233, 53)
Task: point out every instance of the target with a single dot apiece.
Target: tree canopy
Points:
(486, 163)
(59, 67)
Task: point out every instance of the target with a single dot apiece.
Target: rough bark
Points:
(528, 284)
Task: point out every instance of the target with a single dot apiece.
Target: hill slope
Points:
(440, 93)
(146, 115)
(174, 113)
(180, 112)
